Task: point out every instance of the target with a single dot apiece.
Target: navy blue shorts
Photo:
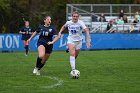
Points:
(25, 37)
(48, 48)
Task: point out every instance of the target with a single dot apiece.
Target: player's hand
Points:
(30, 32)
(28, 41)
(88, 44)
(50, 42)
(23, 32)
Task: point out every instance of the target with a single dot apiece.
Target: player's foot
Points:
(67, 50)
(26, 54)
(38, 72)
(35, 70)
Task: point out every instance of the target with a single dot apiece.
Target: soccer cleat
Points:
(26, 54)
(38, 72)
(35, 70)
(67, 50)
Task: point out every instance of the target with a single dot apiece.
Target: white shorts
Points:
(78, 44)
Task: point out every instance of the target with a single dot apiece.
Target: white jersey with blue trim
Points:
(75, 29)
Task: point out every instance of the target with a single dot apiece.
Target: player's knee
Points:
(41, 56)
(72, 54)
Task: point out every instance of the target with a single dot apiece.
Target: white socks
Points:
(72, 62)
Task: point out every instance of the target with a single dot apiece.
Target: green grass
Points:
(106, 71)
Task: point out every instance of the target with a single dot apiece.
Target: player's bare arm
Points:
(32, 36)
(61, 30)
(54, 40)
(22, 32)
(87, 37)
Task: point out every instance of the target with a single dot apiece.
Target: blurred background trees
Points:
(14, 12)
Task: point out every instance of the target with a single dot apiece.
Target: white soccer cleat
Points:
(38, 72)
(26, 54)
(35, 70)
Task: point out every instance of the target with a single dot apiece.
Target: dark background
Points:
(14, 12)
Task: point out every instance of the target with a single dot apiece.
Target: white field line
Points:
(59, 82)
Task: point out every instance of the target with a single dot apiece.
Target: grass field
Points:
(106, 71)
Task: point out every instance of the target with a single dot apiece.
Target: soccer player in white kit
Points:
(75, 28)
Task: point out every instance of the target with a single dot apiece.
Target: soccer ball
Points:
(75, 74)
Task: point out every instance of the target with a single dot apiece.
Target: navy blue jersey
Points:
(46, 33)
(26, 36)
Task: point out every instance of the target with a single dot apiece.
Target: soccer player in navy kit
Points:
(45, 43)
(26, 32)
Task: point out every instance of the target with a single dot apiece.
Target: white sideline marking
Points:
(59, 82)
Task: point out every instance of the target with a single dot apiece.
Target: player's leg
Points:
(48, 51)
(72, 55)
(78, 46)
(77, 53)
(67, 50)
(24, 43)
(41, 54)
(27, 47)
(44, 59)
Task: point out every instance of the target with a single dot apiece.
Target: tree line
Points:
(14, 12)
